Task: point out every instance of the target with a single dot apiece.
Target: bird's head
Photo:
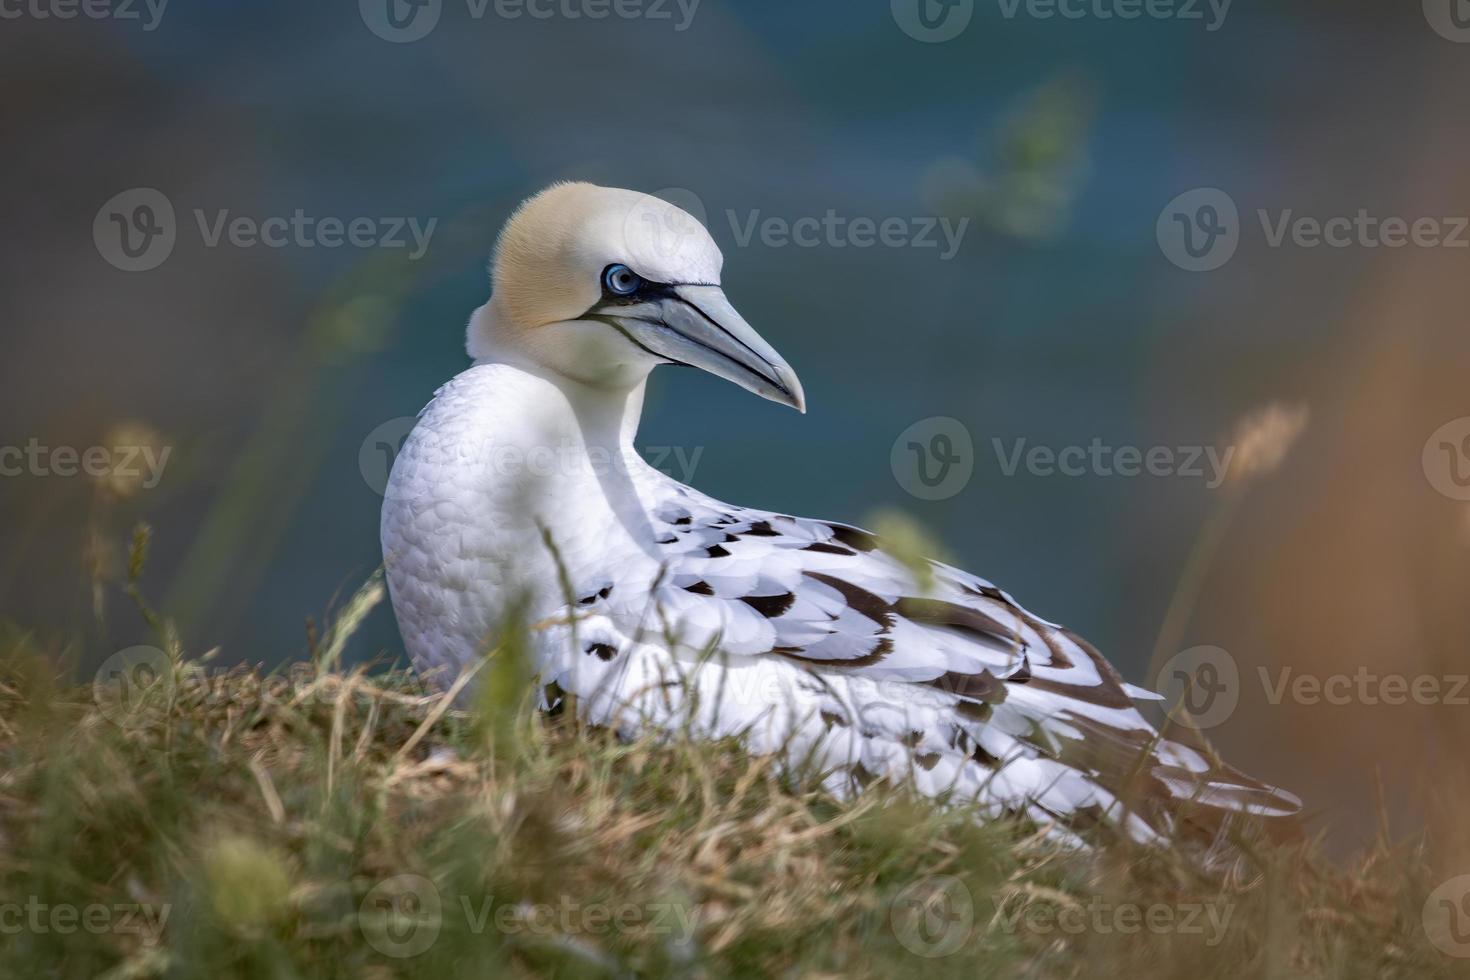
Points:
(601, 285)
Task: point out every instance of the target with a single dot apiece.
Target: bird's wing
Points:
(1029, 705)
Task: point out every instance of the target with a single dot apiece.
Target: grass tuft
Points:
(325, 824)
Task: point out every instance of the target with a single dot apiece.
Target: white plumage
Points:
(654, 605)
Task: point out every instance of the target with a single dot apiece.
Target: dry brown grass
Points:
(322, 824)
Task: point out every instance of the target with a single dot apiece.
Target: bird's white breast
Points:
(500, 460)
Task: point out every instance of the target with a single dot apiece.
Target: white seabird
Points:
(519, 497)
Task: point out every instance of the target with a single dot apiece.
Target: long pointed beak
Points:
(697, 326)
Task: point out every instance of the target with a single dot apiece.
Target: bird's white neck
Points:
(530, 454)
(540, 450)
(601, 417)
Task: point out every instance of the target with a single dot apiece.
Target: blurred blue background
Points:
(1059, 321)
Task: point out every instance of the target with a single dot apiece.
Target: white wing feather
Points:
(806, 637)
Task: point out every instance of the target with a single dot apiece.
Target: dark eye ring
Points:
(621, 280)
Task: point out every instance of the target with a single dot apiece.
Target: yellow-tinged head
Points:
(603, 284)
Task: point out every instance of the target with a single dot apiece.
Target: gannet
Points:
(652, 607)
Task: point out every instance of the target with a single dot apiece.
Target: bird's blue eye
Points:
(621, 280)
